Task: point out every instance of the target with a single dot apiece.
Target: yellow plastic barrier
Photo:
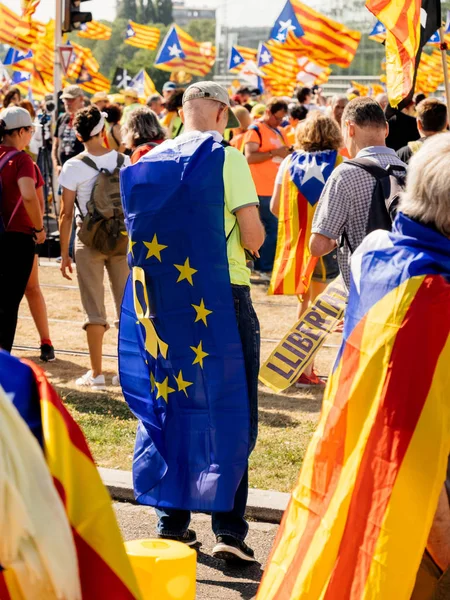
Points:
(165, 570)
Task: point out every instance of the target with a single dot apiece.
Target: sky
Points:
(255, 13)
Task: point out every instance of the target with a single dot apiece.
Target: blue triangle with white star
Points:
(264, 56)
(170, 49)
(138, 82)
(378, 29)
(236, 59)
(14, 56)
(435, 38)
(21, 77)
(130, 31)
(286, 22)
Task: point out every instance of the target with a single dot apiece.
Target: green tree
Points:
(127, 9)
(202, 30)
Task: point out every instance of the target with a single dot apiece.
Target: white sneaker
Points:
(115, 380)
(96, 383)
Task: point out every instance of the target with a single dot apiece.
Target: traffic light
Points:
(72, 17)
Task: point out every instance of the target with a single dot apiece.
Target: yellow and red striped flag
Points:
(16, 32)
(142, 36)
(405, 38)
(360, 515)
(95, 31)
(304, 178)
(104, 568)
(180, 52)
(314, 35)
(93, 82)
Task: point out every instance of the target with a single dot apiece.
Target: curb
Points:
(262, 505)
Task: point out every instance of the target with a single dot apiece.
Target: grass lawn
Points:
(287, 420)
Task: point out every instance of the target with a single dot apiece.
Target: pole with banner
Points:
(444, 47)
(57, 78)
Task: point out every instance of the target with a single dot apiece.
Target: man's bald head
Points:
(203, 114)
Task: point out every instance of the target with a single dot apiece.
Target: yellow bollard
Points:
(164, 569)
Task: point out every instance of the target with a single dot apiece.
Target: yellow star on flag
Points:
(202, 312)
(130, 246)
(164, 390)
(186, 272)
(152, 380)
(200, 354)
(154, 249)
(182, 385)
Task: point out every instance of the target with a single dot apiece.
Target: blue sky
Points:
(238, 12)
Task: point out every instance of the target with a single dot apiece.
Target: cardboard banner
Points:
(299, 347)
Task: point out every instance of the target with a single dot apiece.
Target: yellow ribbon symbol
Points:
(152, 341)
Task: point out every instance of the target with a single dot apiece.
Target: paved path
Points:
(215, 581)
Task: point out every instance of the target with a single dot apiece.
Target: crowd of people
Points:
(304, 184)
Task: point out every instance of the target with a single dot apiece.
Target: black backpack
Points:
(390, 183)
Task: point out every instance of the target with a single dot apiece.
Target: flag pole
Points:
(443, 48)
(57, 77)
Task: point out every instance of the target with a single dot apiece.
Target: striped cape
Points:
(304, 177)
(105, 571)
(360, 515)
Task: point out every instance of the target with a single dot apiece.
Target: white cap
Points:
(15, 117)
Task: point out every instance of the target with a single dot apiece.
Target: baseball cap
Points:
(169, 86)
(131, 93)
(71, 92)
(99, 96)
(211, 91)
(15, 117)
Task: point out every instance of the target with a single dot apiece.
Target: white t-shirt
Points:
(280, 174)
(79, 178)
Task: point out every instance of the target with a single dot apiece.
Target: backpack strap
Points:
(369, 166)
(7, 157)
(87, 161)
(255, 127)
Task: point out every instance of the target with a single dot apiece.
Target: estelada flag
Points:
(95, 31)
(304, 177)
(409, 26)
(315, 35)
(104, 568)
(359, 518)
(180, 355)
(142, 36)
(180, 52)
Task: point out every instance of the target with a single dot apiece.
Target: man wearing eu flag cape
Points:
(189, 337)
(371, 493)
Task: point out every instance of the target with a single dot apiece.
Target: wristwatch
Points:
(38, 230)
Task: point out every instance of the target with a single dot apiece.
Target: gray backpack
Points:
(103, 226)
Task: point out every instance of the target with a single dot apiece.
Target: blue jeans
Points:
(267, 251)
(174, 522)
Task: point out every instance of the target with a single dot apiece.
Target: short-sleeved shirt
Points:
(345, 203)
(68, 144)
(80, 178)
(18, 167)
(264, 174)
(239, 192)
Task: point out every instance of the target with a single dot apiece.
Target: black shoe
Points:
(47, 353)
(189, 537)
(231, 549)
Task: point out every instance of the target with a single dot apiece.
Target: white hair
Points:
(427, 195)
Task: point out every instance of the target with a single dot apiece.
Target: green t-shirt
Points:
(240, 191)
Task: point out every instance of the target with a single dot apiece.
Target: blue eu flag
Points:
(180, 356)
